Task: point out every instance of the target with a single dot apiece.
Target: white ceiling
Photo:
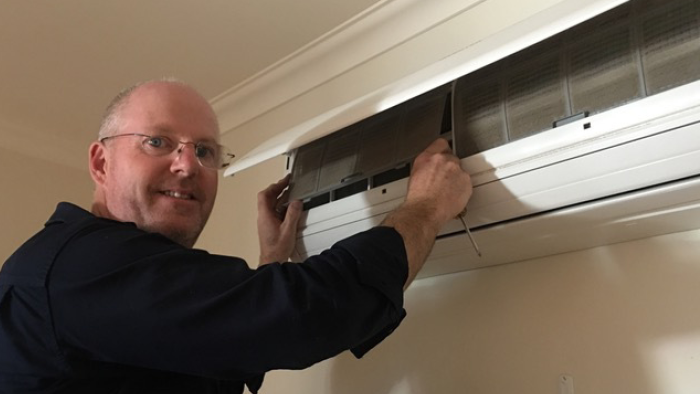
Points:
(62, 61)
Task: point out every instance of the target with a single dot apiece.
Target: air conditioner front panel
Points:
(662, 210)
(661, 158)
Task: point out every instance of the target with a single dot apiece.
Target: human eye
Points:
(205, 151)
(157, 144)
(208, 155)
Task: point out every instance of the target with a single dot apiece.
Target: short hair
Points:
(112, 115)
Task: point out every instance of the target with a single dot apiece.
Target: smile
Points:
(178, 195)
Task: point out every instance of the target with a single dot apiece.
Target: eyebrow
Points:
(167, 131)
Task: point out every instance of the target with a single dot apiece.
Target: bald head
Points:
(111, 119)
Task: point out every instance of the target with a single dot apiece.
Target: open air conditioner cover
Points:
(570, 127)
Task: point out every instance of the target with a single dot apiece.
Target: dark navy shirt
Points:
(90, 305)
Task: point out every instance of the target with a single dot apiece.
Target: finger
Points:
(440, 145)
(291, 217)
(276, 188)
(281, 205)
(270, 194)
(283, 198)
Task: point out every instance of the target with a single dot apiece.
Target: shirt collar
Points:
(67, 212)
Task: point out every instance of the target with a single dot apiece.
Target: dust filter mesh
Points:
(348, 158)
(305, 174)
(379, 141)
(479, 114)
(619, 16)
(422, 123)
(339, 158)
(604, 71)
(652, 5)
(671, 46)
(536, 97)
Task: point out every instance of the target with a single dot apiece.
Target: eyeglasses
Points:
(208, 154)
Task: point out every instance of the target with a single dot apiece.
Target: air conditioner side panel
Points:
(662, 210)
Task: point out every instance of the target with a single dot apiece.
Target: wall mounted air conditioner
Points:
(588, 137)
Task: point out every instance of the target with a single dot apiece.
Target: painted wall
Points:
(31, 188)
(618, 319)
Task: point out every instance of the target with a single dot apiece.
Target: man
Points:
(116, 300)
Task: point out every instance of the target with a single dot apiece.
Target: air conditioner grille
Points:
(604, 71)
(672, 46)
(306, 170)
(423, 123)
(380, 132)
(486, 121)
(339, 158)
(636, 50)
(536, 96)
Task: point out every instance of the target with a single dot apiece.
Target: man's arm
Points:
(438, 191)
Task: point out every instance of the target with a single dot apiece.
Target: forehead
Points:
(170, 109)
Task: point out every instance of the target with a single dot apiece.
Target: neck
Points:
(99, 208)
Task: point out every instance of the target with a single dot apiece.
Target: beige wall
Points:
(619, 319)
(31, 188)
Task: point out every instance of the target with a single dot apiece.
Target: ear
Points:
(98, 163)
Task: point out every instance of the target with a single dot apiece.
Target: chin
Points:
(186, 239)
(183, 235)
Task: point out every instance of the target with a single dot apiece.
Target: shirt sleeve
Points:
(124, 296)
(389, 279)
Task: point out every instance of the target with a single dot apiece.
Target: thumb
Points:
(291, 218)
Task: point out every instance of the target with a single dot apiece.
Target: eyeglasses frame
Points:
(226, 153)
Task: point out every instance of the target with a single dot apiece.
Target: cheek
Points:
(215, 186)
(209, 185)
(128, 183)
(212, 187)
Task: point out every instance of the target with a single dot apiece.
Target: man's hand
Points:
(438, 191)
(277, 227)
(438, 182)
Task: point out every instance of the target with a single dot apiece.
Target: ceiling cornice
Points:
(386, 25)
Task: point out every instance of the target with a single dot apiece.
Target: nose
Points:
(185, 163)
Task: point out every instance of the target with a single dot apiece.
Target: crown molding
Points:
(384, 26)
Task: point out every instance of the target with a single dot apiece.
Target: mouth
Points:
(178, 195)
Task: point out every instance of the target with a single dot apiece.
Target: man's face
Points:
(173, 194)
